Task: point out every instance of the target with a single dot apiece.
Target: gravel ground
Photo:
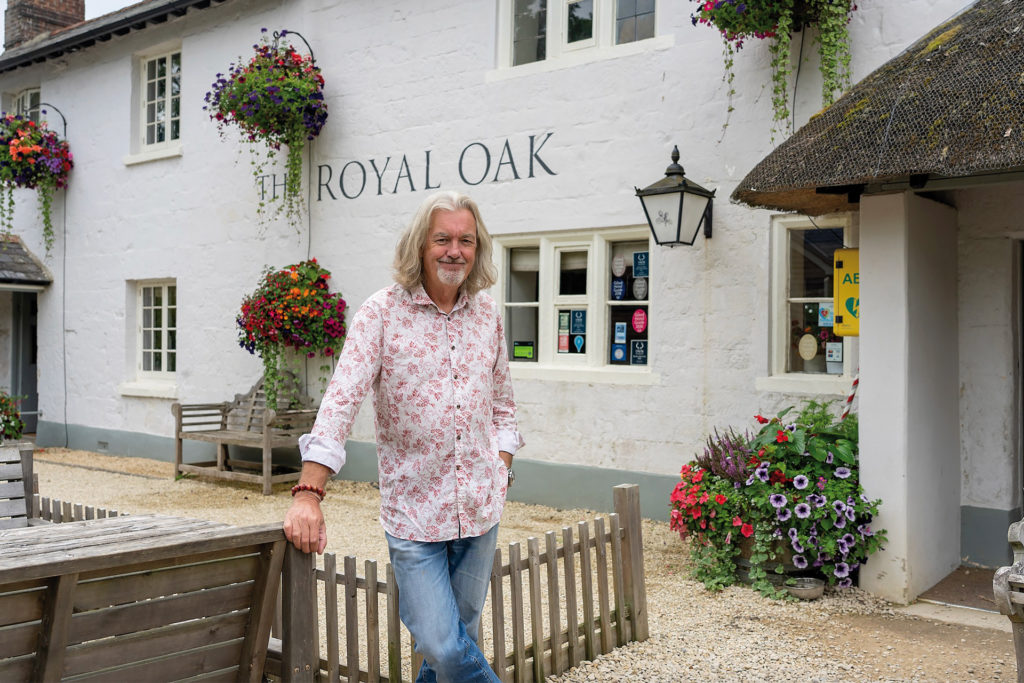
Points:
(734, 635)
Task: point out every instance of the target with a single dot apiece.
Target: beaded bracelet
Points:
(309, 487)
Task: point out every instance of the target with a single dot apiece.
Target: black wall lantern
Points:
(676, 207)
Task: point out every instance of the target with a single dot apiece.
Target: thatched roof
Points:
(950, 106)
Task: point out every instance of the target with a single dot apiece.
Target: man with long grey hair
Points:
(432, 349)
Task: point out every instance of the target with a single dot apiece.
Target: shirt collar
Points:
(420, 297)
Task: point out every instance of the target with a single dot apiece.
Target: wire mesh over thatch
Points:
(950, 106)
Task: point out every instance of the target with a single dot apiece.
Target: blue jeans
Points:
(441, 591)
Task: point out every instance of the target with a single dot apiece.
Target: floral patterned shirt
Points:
(443, 407)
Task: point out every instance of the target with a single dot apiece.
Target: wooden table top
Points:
(55, 549)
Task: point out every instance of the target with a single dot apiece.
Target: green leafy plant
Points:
(276, 98)
(31, 156)
(291, 309)
(792, 488)
(11, 424)
(740, 20)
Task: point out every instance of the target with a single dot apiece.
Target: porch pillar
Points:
(909, 429)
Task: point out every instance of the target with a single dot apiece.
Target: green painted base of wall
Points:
(538, 482)
(983, 535)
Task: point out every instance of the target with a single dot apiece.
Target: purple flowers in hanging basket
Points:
(777, 500)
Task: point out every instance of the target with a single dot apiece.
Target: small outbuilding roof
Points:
(98, 30)
(19, 268)
(950, 106)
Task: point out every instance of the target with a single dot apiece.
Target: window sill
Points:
(149, 389)
(608, 375)
(831, 385)
(576, 57)
(168, 152)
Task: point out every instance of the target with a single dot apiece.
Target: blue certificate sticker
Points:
(618, 288)
(620, 333)
(825, 314)
(640, 264)
(578, 341)
(578, 322)
(618, 352)
(638, 352)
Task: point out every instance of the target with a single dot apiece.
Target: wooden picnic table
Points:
(149, 597)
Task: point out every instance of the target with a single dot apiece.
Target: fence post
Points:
(300, 647)
(627, 505)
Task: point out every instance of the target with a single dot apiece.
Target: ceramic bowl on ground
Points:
(806, 587)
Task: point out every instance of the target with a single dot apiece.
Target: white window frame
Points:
(150, 383)
(140, 150)
(592, 365)
(561, 54)
(25, 109)
(779, 379)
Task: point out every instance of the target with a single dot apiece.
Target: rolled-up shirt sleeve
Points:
(503, 403)
(357, 372)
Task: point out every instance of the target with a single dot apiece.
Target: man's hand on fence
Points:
(304, 524)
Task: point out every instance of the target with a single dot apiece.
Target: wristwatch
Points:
(511, 477)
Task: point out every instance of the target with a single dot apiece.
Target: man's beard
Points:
(453, 278)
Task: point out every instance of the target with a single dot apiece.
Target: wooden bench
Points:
(142, 598)
(1008, 590)
(246, 421)
(16, 486)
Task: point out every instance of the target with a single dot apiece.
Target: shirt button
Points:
(453, 347)
(455, 376)
(458, 437)
(458, 467)
(458, 406)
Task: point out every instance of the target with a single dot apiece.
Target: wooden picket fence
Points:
(581, 623)
(62, 511)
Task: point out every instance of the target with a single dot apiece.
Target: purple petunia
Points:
(783, 514)
(801, 482)
(792, 533)
(762, 473)
(843, 472)
(797, 546)
(839, 506)
(777, 500)
(845, 583)
(864, 530)
(840, 522)
(848, 539)
(851, 514)
(800, 562)
(802, 510)
(829, 459)
(842, 570)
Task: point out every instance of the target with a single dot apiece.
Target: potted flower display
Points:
(276, 98)
(788, 496)
(11, 424)
(291, 309)
(740, 20)
(31, 156)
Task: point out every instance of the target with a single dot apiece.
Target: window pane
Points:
(175, 129)
(171, 361)
(157, 340)
(625, 30)
(809, 342)
(521, 334)
(644, 26)
(147, 317)
(172, 295)
(172, 318)
(572, 331)
(158, 296)
(147, 339)
(147, 296)
(161, 67)
(625, 8)
(160, 135)
(172, 340)
(810, 261)
(147, 361)
(580, 21)
(523, 276)
(161, 90)
(625, 283)
(157, 365)
(529, 31)
(645, 6)
(150, 135)
(627, 335)
(572, 272)
(158, 318)
(150, 113)
(151, 69)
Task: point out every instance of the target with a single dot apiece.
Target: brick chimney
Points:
(26, 19)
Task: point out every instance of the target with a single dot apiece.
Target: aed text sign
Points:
(846, 297)
(511, 159)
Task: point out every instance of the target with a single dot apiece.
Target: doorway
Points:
(24, 354)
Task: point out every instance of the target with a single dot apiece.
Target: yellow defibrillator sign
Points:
(846, 292)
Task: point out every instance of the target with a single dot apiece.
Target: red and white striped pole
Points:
(849, 399)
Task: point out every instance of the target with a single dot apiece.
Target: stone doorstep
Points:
(954, 614)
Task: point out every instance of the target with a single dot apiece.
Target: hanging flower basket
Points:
(11, 424)
(276, 98)
(740, 20)
(31, 156)
(291, 309)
